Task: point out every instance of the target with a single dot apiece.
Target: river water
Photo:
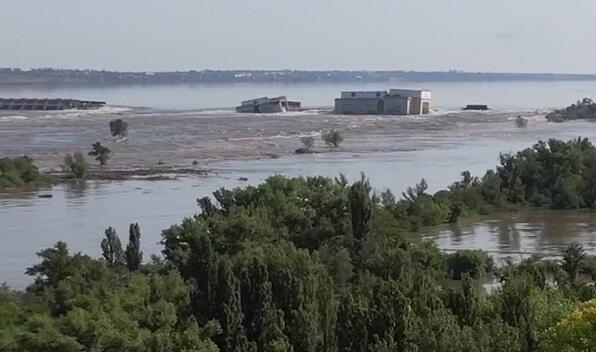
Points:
(180, 124)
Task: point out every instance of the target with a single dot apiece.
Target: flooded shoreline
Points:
(244, 149)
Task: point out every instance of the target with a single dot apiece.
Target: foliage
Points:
(21, 172)
(333, 138)
(574, 333)
(315, 264)
(76, 164)
(101, 153)
(472, 263)
(119, 128)
(583, 109)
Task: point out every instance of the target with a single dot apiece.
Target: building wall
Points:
(358, 106)
(394, 102)
(364, 94)
(396, 105)
(422, 94)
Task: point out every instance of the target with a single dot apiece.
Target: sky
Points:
(423, 35)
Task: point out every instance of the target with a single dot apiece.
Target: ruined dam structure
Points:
(49, 104)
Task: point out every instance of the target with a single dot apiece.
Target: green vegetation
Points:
(119, 128)
(333, 138)
(311, 264)
(76, 164)
(576, 333)
(21, 172)
(583, 109)
(101, 153)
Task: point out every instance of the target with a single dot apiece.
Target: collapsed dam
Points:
(49, 104)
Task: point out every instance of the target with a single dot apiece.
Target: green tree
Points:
(111, 248)
(101, 153)
(134, 255)
(76, 164)
(119, 128)
(573, 257)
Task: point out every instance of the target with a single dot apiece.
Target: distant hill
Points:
(14, 76)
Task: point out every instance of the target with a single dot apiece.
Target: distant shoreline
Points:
(66, 77)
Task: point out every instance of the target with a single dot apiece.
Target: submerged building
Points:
(392, 102)
(49, 104)
(269, 105)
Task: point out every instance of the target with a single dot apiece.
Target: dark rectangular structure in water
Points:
(479, 107)
(49, 104)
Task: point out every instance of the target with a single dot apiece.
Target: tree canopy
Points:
(317, 264)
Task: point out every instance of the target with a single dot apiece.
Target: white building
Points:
(392, 102)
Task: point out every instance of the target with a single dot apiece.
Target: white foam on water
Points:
(277, 136)
(13, 118)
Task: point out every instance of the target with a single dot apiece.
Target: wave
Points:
(13, 118)
(277, 136)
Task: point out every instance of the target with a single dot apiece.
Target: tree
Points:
(134, 256)
(575, 333)
(111, 248)
(308, 142)
(76, 164)
(101, 153)
(573, 257)
(119, 128)
(361, 207)
(419, 190)
(333, 138)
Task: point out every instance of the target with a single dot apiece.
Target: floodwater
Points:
(394, 152)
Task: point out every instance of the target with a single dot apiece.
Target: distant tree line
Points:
(321, 264)
(92, 77)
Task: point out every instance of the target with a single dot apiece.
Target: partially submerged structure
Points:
(49, 104)
(392, 102)
(477, 107)
(269, 105)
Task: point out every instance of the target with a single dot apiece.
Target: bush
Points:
(471, 262)
(333, 138)
(76, 164)
(101, 153)
(308, 142)
(119, 128)
(583, 109)
(20, 172)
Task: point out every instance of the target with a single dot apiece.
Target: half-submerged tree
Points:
(119, 128)
(308, 143)
(101, 153)
(76, 164)
(134, 256)
(333, 138)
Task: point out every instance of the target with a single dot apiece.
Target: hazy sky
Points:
(472, 35)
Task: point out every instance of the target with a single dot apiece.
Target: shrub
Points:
(119, 128)
(308, 142)
(583, 109)
(101, 153)
(20, 172)
(471, 262)
(333, 138)
(76, 164)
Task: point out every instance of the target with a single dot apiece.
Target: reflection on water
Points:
(520, 234)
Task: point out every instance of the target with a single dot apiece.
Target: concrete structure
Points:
(392, 102)
(269, 105)
(48, 104)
